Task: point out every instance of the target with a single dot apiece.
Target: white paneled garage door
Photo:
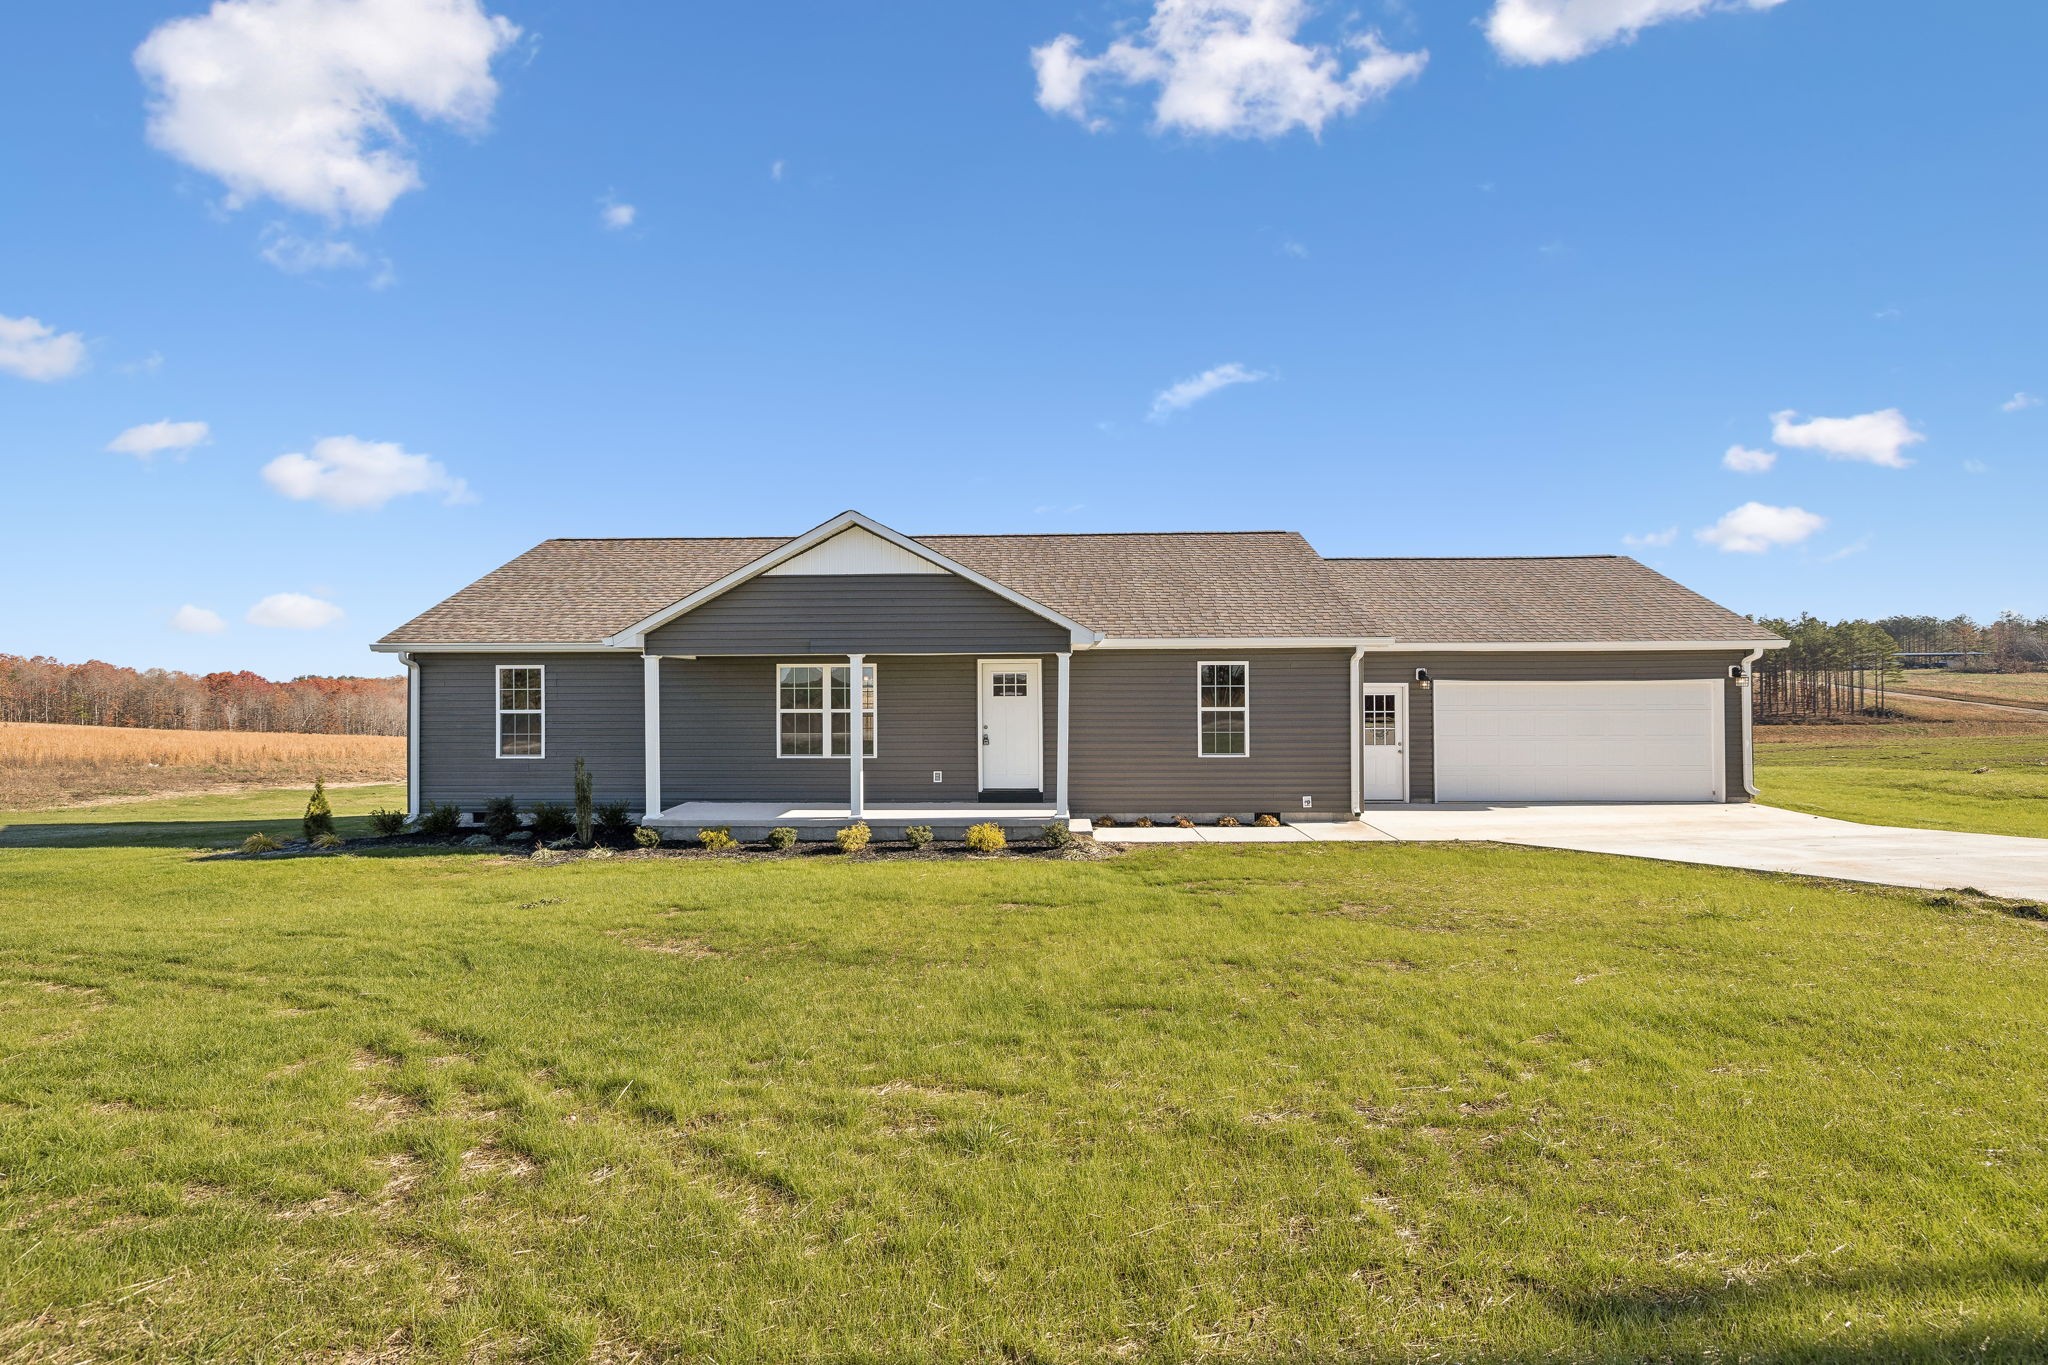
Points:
(1579, 741)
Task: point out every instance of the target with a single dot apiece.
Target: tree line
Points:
(2011, 643)
(95, 693)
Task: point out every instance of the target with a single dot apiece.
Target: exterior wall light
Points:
(1422, 678)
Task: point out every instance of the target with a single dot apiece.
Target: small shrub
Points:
(717, 839)
(1105, 822)
(600, 852)
(501, 817)
(782, 837)
(544, 854)
(1226, 822)
(585, 815)
(614, 821)
(853, 838)
(1143, 822)
(388, 822)
(552, 822)
(1267, 821)
(441, 819)
(645, 837)
(918, 836)
(328, 841)
(1056, 834)
(986, 837)
(319, 817)
(1184, 821)
(259, 842)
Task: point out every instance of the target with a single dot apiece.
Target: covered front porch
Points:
(753, 742)
(749, 820)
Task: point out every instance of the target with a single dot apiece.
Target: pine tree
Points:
(319, 815)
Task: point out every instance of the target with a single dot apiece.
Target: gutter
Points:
(1749, 721)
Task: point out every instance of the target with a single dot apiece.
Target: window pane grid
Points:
(1223, 710)
(814, 709)
(521, 724)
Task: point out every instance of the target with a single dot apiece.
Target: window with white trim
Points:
(814, 711)
(522, 711)
(1223, 709)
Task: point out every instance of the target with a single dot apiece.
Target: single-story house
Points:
(1031, 678)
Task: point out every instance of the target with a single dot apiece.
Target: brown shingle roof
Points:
(1589, 598)
(1166, 585)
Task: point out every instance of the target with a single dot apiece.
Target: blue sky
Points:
(647, 269)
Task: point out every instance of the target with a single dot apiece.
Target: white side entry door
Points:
(1012, 716)
(1383, 743)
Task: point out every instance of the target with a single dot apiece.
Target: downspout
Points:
(412, 734)
(1357, 686)
(1749, 721)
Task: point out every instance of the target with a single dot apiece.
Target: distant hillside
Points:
(46, 691)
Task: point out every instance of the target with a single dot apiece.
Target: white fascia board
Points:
(1579, 646)
(635, 636)
(466, 647)
(1215, 642)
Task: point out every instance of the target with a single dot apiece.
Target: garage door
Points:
(1579, 741)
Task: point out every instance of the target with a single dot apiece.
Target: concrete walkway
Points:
(1762, 838)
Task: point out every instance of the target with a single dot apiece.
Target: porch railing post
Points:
(856, 739)
(1060, 762)
(650, 710)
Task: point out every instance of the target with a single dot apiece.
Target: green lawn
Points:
(1378, 1102)
(193, 821)
(1913, 775)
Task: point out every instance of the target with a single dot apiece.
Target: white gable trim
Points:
(635, 636)
(856, 550)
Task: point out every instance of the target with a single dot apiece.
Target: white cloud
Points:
(1976, 467)
(1853, 548)
(1755, 527)
(1226, 68)
(33, 351)
(297, 100)
(2019, 402)
(153, 438)
(1650, 540)
(1290, 247)
(1191, 391)
(293, 611)
(348, 473)
(1875, 437)
(296, 255)
(1533, 32)
(615, 215)
(1746, 460)
(197, 621)
(775, 171)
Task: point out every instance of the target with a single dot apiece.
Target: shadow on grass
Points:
(2012, 1321)
(203, 834)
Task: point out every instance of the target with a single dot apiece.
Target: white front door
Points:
(1012, 715)
(1383, 744)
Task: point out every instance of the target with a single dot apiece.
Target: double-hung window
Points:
(522, 711)
(814, 711)
(1223, 709)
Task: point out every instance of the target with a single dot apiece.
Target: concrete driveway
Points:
(1762, 838)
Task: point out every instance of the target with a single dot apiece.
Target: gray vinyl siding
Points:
(1134, 743)
(718, 732)
(592, 711)
(797, 615)
(1643, 665)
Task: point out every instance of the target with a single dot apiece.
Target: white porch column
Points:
(856, 740)
(650, 711)
(412, 735)
(1357, 701)
(1060, 763)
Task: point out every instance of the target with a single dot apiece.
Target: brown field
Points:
(2013, 689)
(44, 766)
